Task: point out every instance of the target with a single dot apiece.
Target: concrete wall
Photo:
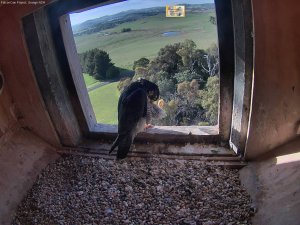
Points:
(273, 182)
(274, 120)
(22, 157)
(273, 176)
(24, 152)
(8, 117)
(21, 100)
(275, 114)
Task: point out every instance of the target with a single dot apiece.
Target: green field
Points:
(146, 38)
(105, 101)
(89, 80)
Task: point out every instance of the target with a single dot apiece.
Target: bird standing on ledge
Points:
(132, 113)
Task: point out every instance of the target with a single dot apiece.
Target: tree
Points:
(189, 110)
(189, 76)
(142, 62)
(186, 51)
(166, 87)
(140, 72)
(167, 60)
(97, 63)
(212, 60)
(112, 72)
(161, 75)
(213, 20)
(90, 64)
(188, 91)
(102, 63)
(209, 99)
(181, 71)
(83, 61)
(126, 30)
(123, 83)
(170, 108)
(198, 62)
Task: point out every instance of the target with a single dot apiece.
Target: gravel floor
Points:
(90, 190)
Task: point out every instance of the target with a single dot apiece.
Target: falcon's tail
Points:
(115, 144)
(124, 144)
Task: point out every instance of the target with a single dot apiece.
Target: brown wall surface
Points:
(21, 99)
(276, 93)
(274, 120)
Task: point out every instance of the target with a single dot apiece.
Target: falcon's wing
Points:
(131, 108)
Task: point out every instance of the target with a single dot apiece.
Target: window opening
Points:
(172, 43)
(56, 65)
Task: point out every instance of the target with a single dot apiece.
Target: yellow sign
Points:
(175, 11)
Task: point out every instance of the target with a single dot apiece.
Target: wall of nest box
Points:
(28, 140)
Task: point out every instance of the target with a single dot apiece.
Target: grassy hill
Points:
(105, 102)
(89, 80)
(146, 37)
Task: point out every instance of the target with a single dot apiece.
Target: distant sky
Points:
(77, 18)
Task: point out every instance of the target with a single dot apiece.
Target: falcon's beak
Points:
(152, 95)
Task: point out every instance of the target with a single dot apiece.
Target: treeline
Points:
(116, 20)
(126, 30)
(188, 81)
(108, 22)
(97, 63)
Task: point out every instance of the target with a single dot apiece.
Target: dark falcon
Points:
(132, 113)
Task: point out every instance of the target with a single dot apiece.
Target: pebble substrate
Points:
(90, 190)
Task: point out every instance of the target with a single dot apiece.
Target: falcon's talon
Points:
(147, 126)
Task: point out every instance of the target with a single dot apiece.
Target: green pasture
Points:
(89, 80)
(105, 101)
(146, 38)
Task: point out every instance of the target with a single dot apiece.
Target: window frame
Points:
(48, 35)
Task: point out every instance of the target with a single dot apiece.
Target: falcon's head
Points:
(151, 89)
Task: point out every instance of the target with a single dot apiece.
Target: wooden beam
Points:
(227, 160)
(163, 134)
(48, 74)
(243, 28)
(76, 71)
(226, 56)
(63, 7)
